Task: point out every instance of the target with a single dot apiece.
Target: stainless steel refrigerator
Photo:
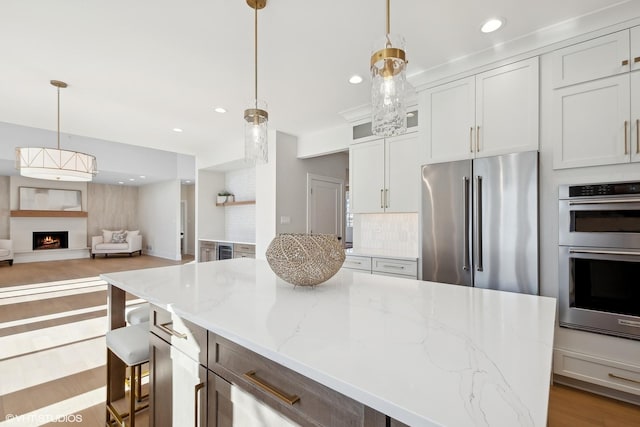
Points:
(480, 222)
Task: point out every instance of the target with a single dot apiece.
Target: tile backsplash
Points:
(392, 232)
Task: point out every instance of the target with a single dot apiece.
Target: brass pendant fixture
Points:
(256, 116)
(388, 85)
(55, 163)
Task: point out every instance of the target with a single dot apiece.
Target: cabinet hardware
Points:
(625, 62)
(171, 331)
(386, 198)
(602, 252)
(603, 202)
(637, 136)
(636, 59)
(465, 195)
(626, 136)
(471, 139)
(355, 262)
(479, 266)
(618, 377)
(381, 196)
(195, 403)
(397, 267)
(477, 139)
(288, 398)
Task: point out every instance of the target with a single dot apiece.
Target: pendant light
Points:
(54, 163)
(256, 116)
(388, 85)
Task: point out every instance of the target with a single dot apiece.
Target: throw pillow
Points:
(108, 234)
(130, 234)
(119, 237)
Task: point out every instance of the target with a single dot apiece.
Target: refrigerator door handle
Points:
(465, 195)
(479, 266)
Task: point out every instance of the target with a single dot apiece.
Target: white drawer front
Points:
(395, 267)
(357, 263)
(607, 373)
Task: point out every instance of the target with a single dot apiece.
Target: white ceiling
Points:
(137, 69)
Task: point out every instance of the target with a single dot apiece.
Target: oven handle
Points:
(602, 252)
(603, 202)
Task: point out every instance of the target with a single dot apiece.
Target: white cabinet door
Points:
(590, 121)
(507, 109)
(366, 181)
(593, 59)
(634, 137)
(634, 38)
(402, 167)
(449, 128)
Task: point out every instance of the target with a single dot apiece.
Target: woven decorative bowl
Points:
(305, 259)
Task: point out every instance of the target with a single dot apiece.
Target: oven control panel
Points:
(615, 189)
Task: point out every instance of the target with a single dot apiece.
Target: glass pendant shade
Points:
(256, 120)
(388, 87)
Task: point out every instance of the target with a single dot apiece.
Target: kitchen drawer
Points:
(607, 373)
(243, 255)
(395, 267)
(245, 248)
(189, 338)
(356, 262)
(313, 403)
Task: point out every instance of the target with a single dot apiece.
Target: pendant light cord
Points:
(388, 17)
(58, 117)
(255, 54)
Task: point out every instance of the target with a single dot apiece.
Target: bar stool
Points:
(131, 345)
(140, 314)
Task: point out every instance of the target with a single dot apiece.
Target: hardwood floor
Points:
(52, 350)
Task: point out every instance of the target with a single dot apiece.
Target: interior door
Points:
(325, 207)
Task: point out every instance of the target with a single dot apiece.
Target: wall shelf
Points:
(242, 202)
(48, 214)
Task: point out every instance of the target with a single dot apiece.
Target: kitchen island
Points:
(423, 353)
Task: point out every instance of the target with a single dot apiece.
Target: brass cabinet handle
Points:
(477, 139)
(637, 136)
(626, 137)
(287, 398)
(164, 327)
(471, 139)
(381, 196)
(195, 403)
(636, 59)
(618, 377)
(625, 62)
(397, 267)
(386, 198)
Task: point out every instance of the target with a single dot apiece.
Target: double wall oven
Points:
(599, 248)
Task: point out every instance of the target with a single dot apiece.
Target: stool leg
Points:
(132, 398)
(108, 387)
(139, 383)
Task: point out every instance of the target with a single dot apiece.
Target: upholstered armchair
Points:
(116, 242)
(6, 250)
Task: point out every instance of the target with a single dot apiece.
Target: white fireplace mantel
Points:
(22, 229)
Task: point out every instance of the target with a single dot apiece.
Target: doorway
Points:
(325, 205)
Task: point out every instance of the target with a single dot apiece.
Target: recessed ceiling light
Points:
(120, 182)
(410, 114)
(132, 179)
(188, 181)
(355, 79)
(492, 25)
(142, 177)
(177, 130)
(220, 110)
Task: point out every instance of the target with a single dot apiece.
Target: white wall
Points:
(4, 207)
(159, 219)
(266, 195)
(188, 194)
(209, 219)
(325, 141)
(240, 220)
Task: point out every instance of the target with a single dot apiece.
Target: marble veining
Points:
(424, 353)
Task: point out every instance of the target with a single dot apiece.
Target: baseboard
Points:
(597, 389)
(50, 255)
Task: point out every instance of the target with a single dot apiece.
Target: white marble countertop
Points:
(424, 353)
(380, 253)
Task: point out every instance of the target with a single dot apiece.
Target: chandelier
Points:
(54, 163)
(256, 116)
(388, 85)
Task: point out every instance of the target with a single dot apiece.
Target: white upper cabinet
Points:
(602, 57)
(491, 113)
(596, 102)
(385, 175)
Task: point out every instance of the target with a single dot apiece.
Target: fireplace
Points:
(50, 240)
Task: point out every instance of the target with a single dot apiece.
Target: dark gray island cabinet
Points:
(199, 378)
